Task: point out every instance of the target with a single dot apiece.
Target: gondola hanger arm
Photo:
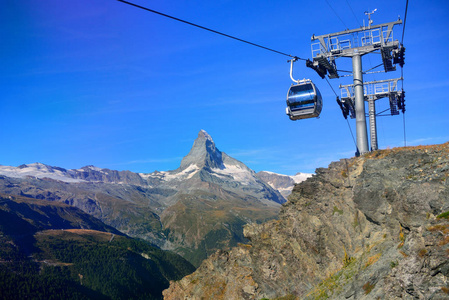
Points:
(291, 71)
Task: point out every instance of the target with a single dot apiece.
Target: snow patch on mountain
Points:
(300, 177)
(206, 135)
(187, 173)
(38, 170)
(93, 168)
(236, 172)
(283, 183)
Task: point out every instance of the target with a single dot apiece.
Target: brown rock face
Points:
(373, 227)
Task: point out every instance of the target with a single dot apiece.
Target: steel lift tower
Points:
(354, 44)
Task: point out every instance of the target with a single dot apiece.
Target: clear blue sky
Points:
(98, 82)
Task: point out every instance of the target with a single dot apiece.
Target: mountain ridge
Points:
(215, 187)
(203, 155)
(371, 227)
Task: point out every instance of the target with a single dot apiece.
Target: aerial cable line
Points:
(353, 13)
(211, 30)
(350, 130)
(346, 27)
(405, 19)
(331, 87)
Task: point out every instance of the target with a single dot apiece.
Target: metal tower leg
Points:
(362, 136)
(372, 124)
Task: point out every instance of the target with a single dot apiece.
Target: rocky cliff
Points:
(372, 227)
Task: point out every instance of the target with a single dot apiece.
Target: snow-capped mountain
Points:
(195, 210)
(283, 183)
(84, 174)
(205, 163)
(205, 156)
(39, 170)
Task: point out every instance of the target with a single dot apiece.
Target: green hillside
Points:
(78, 263)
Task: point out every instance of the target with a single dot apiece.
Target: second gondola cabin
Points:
(304, 100)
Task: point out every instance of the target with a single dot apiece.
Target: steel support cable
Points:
(331, 86)
(346, 27)
(211, 30)
(349, 126)
(373, 68)
(347, 2)
(405, 19)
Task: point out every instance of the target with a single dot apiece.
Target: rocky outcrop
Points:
(372, 227)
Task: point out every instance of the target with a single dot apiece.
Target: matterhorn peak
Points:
(204, 135)
(203, 153)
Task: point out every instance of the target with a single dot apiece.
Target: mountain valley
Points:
(51, 250)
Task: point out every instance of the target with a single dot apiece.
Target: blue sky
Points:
(98, 82)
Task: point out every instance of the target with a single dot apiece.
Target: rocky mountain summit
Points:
(194, 210)
(203, 154)
(206, 164)
(216, 195)
(371, 227)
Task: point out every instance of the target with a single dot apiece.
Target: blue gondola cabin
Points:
(304, 101)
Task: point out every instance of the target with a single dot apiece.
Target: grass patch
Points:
(444, 215)
(372, 259)
(394, 264)
(422, 252)
(287, 297)
(335, 282)
(347, 260)
(401, 235)
(368, 287)
(355, 222)
(338, 211)
(439, 227)
(444, 241)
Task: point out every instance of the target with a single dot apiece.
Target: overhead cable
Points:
(346, 27)
(331, 87)
(349, 126)
(211, 30)
(405, 19)
(353, 13)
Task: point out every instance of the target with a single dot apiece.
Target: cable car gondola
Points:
(303, 99)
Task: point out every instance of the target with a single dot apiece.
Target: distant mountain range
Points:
(194, 210)
(282, 183)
